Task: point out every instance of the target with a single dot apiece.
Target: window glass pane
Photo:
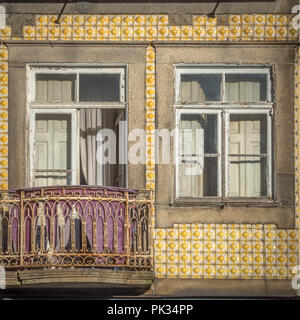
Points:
(200, 87)
(198, 172)
(199, 134)
(248, 134)
(246, 87)
(248, 177)
(99, 87)
(199, 177)
(55, 88)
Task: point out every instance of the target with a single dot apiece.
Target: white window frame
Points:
(224, 109)
(72, 108)
(179, 71)
(74, 139)
(34, 70)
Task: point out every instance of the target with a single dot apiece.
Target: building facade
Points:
(223, 219)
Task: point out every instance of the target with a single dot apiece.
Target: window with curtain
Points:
(225, 133)
(69, 107)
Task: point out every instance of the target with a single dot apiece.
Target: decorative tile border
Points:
(242, 27)
(225, 251)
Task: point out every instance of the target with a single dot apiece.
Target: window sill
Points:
(222, 203)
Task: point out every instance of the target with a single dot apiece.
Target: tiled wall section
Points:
(3, 117)
(237, 251)
(248, 27)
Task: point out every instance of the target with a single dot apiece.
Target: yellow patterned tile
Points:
(151, 20)
(209, 258)
(102, 33)
(197, 271)
(246, 258)
(245, 234)
(139, 33)
(163, 19)
(199, 20)
(52, 18)
(66, 33)
(90, 20)
(184, 271)
(3, 185)
(78, 33)
(172, 270)
(53, 32)
(199, 32)
(292, 259)
(259, 33)
(270, 33)
(160, 270)
(221, 234)
(184, 257)
(211, 33)
(270, 19)
(127, 20)
(233, 234)
(247, 32)
(186, 33)
(127, 33)
(29, 32)
(102, 20)
(257, 234)
(197, 246)
(78, 20)
(160, 233)
(3, 55)
(292, 235)
(221, 258)
(174, 33)
(221, 272)
(270, 259)
(281, 235)
(160, 245)
(65, 20)
(209, 246)
(41, 20)
(246, 271)
(281, 32)
(139, 20)
(115, 20)
(3, 89)
(211, 21)
(259, 271)
(258, 259)
(151, 32)
(235, 19)
(233, 246)
(172, 234)
(233, 258)
(234, 271)
(292, 33)
(172, 245)
(209, 234)
(221, 246)
(258, 246)
(184, 233)
(209, 271)
(172, 257)
(281, 272)
(184, 245)
(222, 33)
(259, 19)
(292, 246)
(281, 259)
(246, 246)
(247, 19)
(163, 32)
(41, 33)
(281, 19)
(197, 258)
(114, 32)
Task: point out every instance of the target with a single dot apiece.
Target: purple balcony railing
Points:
(76, 226)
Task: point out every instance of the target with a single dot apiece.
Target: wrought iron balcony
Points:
(76, 226)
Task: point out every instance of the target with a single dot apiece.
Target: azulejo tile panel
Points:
(239, 251)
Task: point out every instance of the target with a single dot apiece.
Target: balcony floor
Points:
(98, 282)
